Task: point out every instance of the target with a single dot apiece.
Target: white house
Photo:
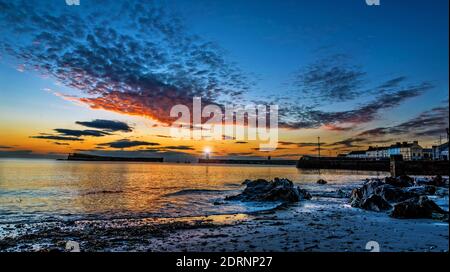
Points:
(440, 152)
(377, 153)
(409, 151)
(357, 155)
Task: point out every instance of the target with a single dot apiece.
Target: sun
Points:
(207, 150)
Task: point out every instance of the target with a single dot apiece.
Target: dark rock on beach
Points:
(322, 181)
(276, 190)
(402, 181)
(358, 195)
(393, 194)
(422, 190)
(417, 207)
(375, 203)
(410, 199)
(437, 181)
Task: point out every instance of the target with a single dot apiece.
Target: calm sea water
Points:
(47, 190)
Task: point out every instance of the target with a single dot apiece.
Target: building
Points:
(377, 153)
(409, 151)
(357, 155)
(440, 152)
(427, 154)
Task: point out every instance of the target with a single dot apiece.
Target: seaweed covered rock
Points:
(437, 181)
(402, 181)
(378, 194)
(375, 203)
(276, 190)
(422, 190)
(418, 207)
(394, 194)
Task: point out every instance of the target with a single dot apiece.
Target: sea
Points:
(38, 190)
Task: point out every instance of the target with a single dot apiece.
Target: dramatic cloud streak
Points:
(57, 138)
(133, 57)
(125, 143)
(79, 133)
(107, 125)
(331, 79)
(311, 117)
(431, 123)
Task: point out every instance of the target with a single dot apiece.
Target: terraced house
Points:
(409, 151)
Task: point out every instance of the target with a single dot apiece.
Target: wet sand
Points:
(322, 224)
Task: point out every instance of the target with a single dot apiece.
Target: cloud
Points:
(300, 144)
(178, 147)
(350, 142)
(57, 138)
(227, 137)
(392, 83)
(241, 142)
(107, 125)
(332, 127)
(76, 135)
(136, 58)
(297, 117)
(163, 136)
(58, 143)
(240, 154)
(79, 133)
(5, 147)
(330, 79)
(430, 123)
(133, 57)
(125, 143)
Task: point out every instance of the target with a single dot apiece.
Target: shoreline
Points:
(326, 223)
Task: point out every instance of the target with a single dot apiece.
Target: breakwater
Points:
(261, 162)
(87, 157)
(338, 163)
(396, 166)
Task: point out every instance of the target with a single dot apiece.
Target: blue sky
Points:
(338, 69)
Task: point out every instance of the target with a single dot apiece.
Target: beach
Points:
(335, 227)
(324, 223)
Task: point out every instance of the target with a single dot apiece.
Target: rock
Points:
(393, 194)
(438, 181)
(441, 192)
(304, 193)
(402, 181)
(417, 207)
(422, 190)
(342, 194)
(375, 203)
(356, 197)
(276, 190)
(369, 187)
(322, 181)
(378, 187)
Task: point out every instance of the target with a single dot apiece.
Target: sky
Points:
(101, 77)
